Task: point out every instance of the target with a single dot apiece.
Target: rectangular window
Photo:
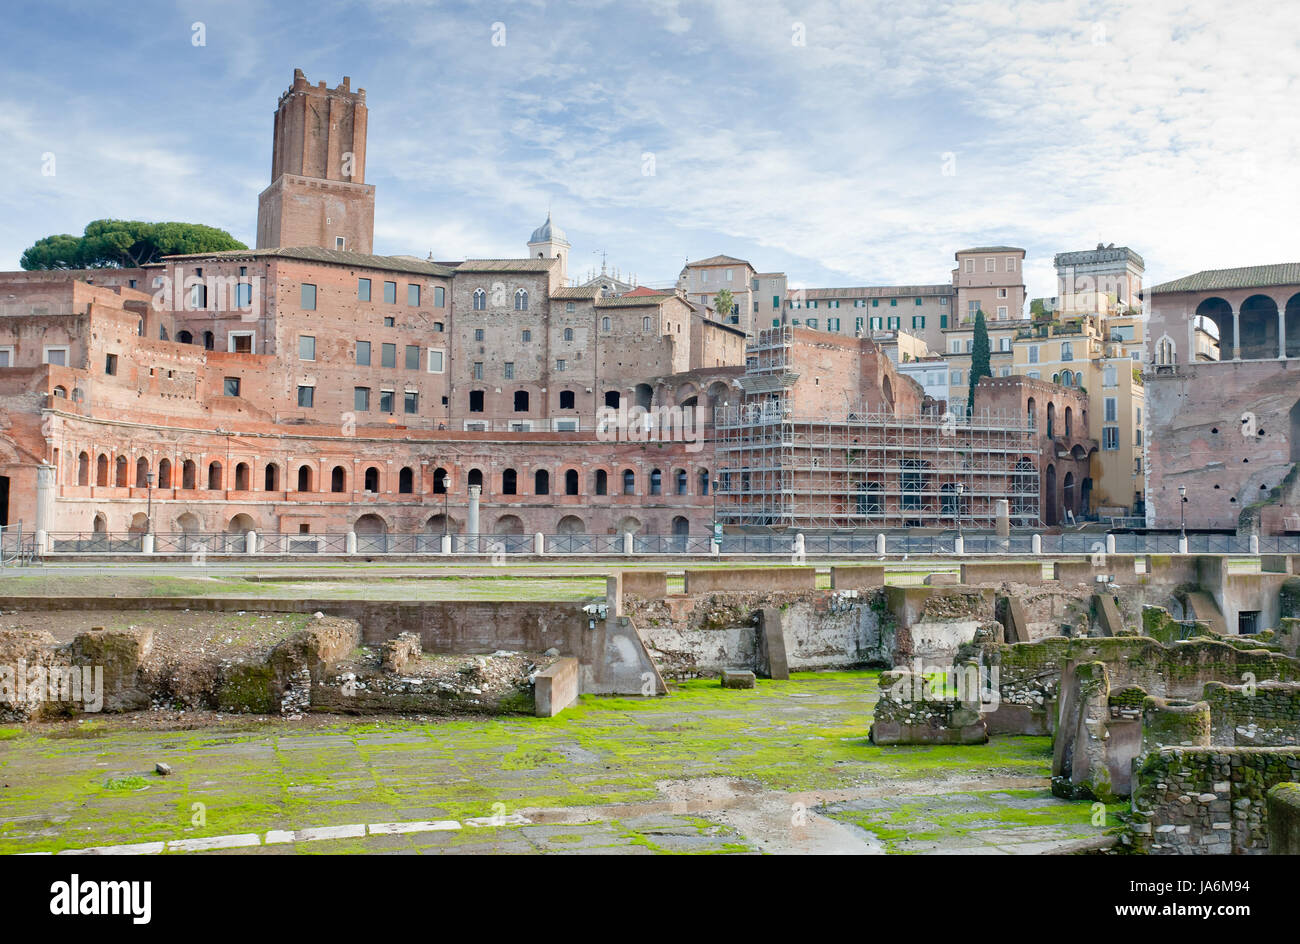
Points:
(875, 303)
(232, 386)
(435, 361)
(970, 265)
(857, 324)
(413, 295)
(1112, 410)
(412, 357)
(306, 395)
(943, 299)
(1004, 344)
(439, 297)
(918, 321)
(776, 301)
(509, 370)
(990, 265)
(570, 307)
(970, 345)
(1067, 351)
(361, 399)
(560, 364)
(412, 402)
(1002, 313)
(525, 336)
(956, 377)
(110, 364)
(244, 295)
(363, 353)
(390, 293)
(388, 355)
(812, 322)
(894, 322)
(943, 321)
(56, 355)
(478, 370)
(1011, 263)
(1110, 437)
(306, 348)
(385, 401)
(1033, 353)
(6, 357)
(363, 290)
(918, 301)
(239, 342)
(876, 322)
(893, 303)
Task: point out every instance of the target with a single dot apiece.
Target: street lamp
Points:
(148, 515)
(1182, 512)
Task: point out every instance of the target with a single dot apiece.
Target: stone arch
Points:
(1259, 328)
(100, 524)
(305, 476)
(630, 524)
(541, 482)
(1049, 493)
(188, 523)
(370, 523)
(165, 473)
(571, 481)
(1166, 350)
(271, 477)
(1291, 313)
(242, 475)
(119, 477)
(189, 474)
(1219, 311)
(509, 482)
(139, 523)
(571, 524)
(338, 479)
(442, 524)
(214, 476)
(441, 481)
(372, 479)
(83, 468)
(643, 395)
(241, 524)
(508, 524)
(600, 482)
(142, 472)
(406, 481)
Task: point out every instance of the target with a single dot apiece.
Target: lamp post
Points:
(1182, 512)
(148, 515)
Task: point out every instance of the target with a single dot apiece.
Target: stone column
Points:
(474, 492)
(1281, 331)
(1236, 334)
(45, 474)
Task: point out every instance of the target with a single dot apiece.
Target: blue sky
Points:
(893, 135)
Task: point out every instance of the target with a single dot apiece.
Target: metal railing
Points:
(17, 547)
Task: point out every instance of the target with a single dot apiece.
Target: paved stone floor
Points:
(783, 768)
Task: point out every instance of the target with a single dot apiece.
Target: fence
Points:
(17, 547)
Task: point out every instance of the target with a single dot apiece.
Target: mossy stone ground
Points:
(62, 787)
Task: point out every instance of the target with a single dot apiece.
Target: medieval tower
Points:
(318, 194)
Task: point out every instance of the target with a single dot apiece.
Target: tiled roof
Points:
(360, 260)
(577, 291)
(506, 265)
(718, 260)
(1216, 280)
(874, 291)
(991, 249)
(633, 301)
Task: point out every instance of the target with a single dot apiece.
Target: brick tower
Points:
(318, 194)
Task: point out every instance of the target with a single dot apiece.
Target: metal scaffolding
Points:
(864, 469)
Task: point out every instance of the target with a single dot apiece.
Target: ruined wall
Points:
(1265, 715)
(1207, 800)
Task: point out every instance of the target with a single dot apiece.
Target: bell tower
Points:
(318, 194)
(548, 242)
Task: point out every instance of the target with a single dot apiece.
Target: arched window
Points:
(680, 481)
(656, 482)
(83, 469)
(242, 473)
(602, 482)
(142, 472)
(372, 479)
(271, 478)
(101, 470)
(629, 482)
(509, 482)
(338, 479)
(440, 481)
(521, 401)
(571, 482)
(214, 476)
(304, 478)
(184, 337)
(704, 481)
(165, 474)
(406, 481)
(119, 478)
(521, 300)
(612, 399)
(189, 474)
(568, 334)
(475, 477)
(541, 482)
(1165, 351)
(605, 323)
(480, 300)
(209, 340)
(566, 400)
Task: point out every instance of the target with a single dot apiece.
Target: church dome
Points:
(548, 232)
